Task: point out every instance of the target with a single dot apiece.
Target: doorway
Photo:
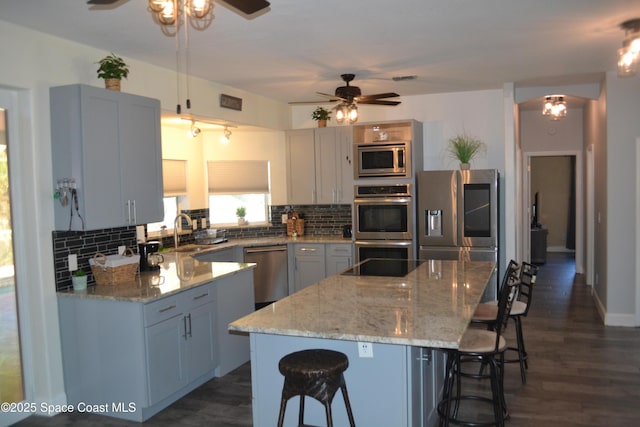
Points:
(557, 177)
(11, 372)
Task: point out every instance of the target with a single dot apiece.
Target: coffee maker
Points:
(146, 249)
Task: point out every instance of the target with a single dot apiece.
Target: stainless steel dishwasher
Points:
(270, 278)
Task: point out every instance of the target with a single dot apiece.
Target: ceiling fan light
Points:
(353, 113)
(341, 113)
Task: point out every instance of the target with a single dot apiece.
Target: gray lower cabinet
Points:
(143, 357)
(312, 262)
(181, 349)
(308, 264)
(109, 143)
(339, 257)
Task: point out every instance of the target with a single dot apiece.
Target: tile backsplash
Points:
(325, 220)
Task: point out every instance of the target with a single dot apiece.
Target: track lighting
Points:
(226, 137)
(194, 131)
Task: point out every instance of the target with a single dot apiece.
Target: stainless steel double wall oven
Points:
(384, 221)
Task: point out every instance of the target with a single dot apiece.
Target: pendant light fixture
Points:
(197, 14)
(555, 107)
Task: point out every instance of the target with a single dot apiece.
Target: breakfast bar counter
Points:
(402, 320)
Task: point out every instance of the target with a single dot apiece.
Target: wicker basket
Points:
(296, 225)
(114, 269)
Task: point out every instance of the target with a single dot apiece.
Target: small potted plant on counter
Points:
(240, 213)
(79, 280)
(112, 70)
(322, 116)
(464, 148)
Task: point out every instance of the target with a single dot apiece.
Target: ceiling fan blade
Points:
(379, 102)
(248, 7)
(377, 96)
(102, 2)
(333, 97)
(323, 101)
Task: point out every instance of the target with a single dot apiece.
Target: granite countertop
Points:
(262, 241)
(429, 307)
(179, 272)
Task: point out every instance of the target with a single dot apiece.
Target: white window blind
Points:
(174, 177)
(238, 176)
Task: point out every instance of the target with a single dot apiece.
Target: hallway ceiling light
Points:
(555, 107)
(629, 53)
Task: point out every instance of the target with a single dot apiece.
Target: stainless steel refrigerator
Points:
(458, 216)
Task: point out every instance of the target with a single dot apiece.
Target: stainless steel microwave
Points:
(391, 159)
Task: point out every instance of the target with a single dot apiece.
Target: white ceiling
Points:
(299, 47)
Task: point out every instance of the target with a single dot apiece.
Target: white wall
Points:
(623, 127)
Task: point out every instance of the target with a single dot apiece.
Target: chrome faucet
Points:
(175, 227)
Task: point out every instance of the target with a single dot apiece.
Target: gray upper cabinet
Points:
(334, 177)
(319, 166)
(109, 143)
(301, 168)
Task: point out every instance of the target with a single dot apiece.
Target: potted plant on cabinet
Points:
(112, 69)
(79, 280)
(322, 116)
(464, 148)
(240, 213)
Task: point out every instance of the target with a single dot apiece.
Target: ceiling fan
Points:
(247, 7)
(351, 94)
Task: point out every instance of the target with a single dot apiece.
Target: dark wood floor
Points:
(581, 373)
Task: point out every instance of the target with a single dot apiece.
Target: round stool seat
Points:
(313, 364)
(317, 373)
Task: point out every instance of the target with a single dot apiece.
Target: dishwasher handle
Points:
(259, 249)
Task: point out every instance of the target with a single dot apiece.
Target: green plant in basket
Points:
(241, 212)
(321, 113)
(112, 67)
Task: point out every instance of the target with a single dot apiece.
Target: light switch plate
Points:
(203, 223)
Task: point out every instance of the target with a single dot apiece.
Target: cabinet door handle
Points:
(135, 214)
(184, 326)
(201, 296)
(128, 211)
(163, 310)
(189, 316)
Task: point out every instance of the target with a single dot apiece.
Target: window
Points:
(174, 183)
(170, 212)
(235, 183)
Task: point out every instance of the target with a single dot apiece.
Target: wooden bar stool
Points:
(315, 373)
(485, 313)
(487, 348)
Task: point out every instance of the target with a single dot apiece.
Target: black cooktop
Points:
(384, 267)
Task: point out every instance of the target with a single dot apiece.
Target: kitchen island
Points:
(130, 350)
(403, 320)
